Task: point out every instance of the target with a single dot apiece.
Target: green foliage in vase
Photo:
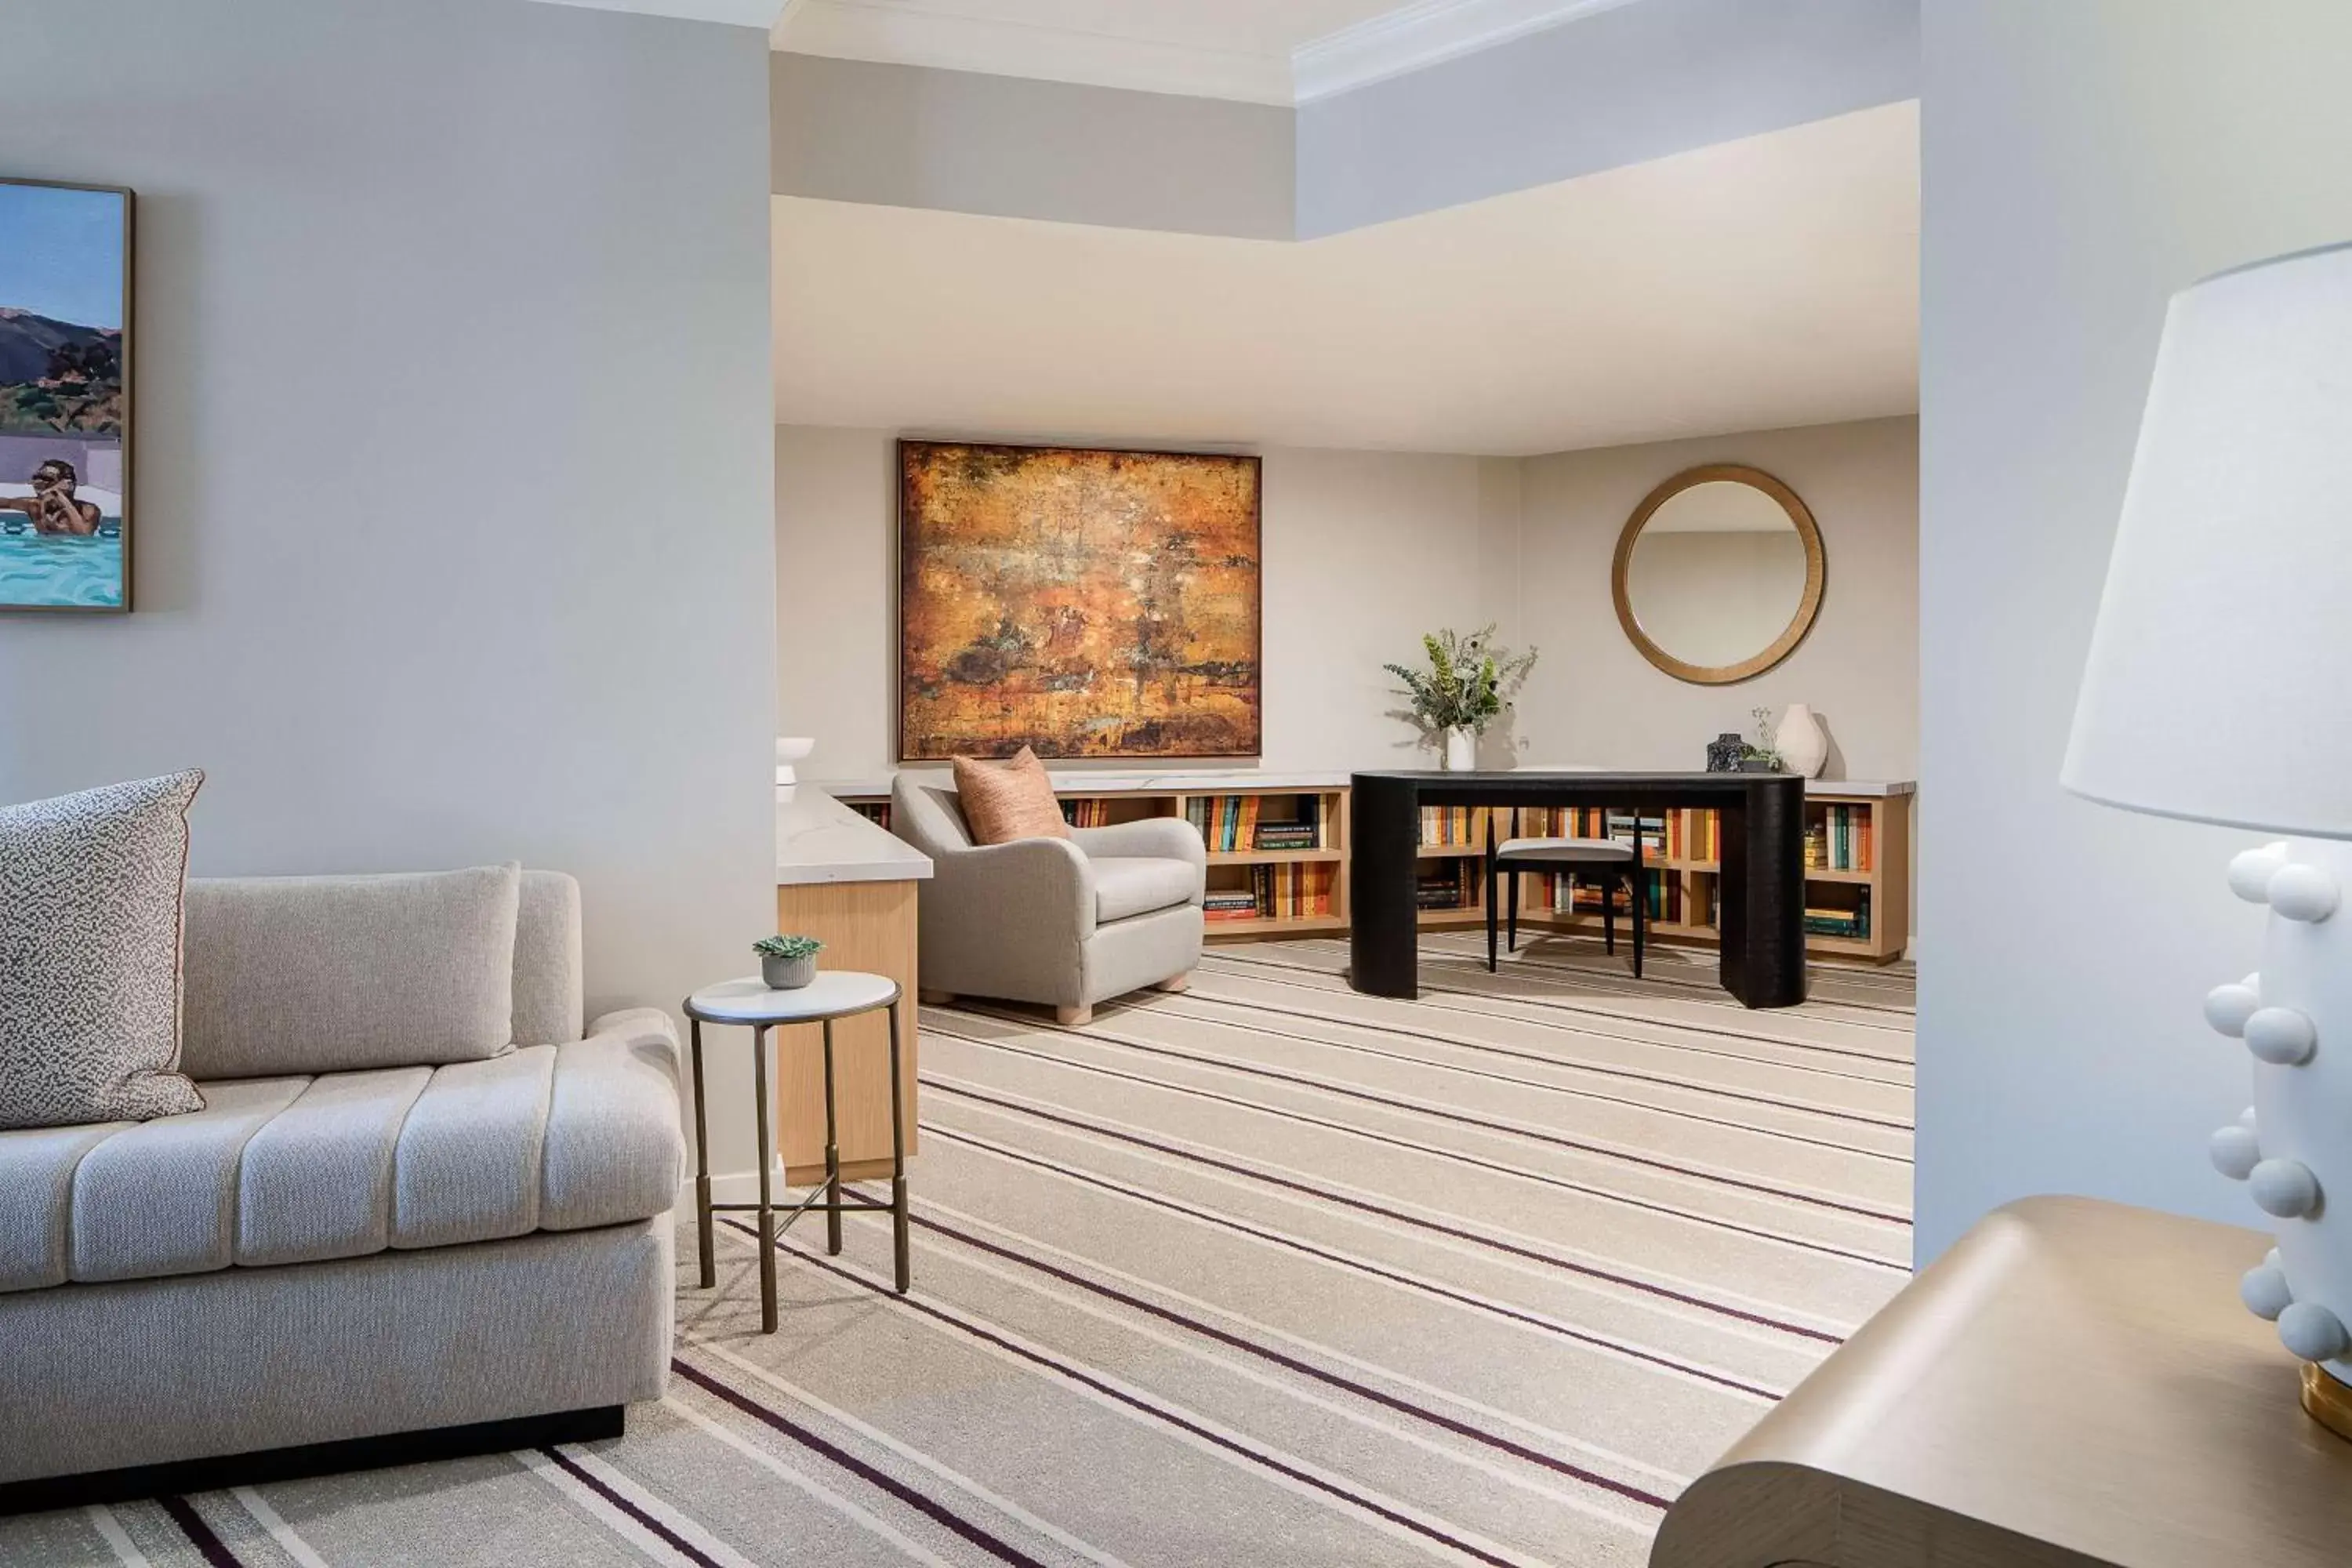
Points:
(1762, 751)
(1469, 683)
(788, 947)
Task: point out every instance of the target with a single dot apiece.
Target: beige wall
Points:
(1363, 551)
(1594, 699)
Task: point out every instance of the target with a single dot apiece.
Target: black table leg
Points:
(1383, 931)
(1762, 921)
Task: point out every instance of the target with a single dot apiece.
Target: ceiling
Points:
(1754, 284)
(1268, 51)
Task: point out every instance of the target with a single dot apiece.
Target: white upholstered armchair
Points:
(1063, 922)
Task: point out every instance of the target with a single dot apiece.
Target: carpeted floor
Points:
(1268, 1273)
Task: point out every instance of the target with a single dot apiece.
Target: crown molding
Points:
(924, 33)
(734, 12)
(1421, 35)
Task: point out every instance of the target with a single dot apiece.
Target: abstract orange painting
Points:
(1086, 603)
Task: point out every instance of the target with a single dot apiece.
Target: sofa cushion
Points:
(316, 1180)
(160, 1197)
(299, 1169)
(1005, 801)
(1130, 885)
(89, 954)
(312, 975)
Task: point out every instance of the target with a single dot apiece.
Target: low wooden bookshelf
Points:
(1857, 877)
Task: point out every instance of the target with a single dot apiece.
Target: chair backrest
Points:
(927, 816)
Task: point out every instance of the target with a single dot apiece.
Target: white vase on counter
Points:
(1461, 750)
(1803, 745)
(790, 751)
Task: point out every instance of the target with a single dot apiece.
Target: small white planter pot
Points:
(1461, 750)
(787, 973)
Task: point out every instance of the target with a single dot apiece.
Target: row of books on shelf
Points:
(1452, 887)
(1550, 892)
(1852, 921)
(1274, 893)
(1447, 827)
(1839, 839)
(1229, 824)
(874, 811)
(1091, 812)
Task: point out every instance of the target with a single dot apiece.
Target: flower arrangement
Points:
(1469, 683)
(1761, 756)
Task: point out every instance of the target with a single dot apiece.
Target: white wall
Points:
(451, 458)
(1595, 700)
(2081, 163)
(1363, 551)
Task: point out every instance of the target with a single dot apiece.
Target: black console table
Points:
(1762, 919)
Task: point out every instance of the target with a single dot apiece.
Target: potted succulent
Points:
(1468, 685)
(787, 962)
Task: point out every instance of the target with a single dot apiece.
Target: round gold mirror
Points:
(1719, 573)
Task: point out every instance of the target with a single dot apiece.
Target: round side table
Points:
(834, 993)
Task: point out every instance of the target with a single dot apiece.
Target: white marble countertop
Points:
(818, 839)
(1208, 782)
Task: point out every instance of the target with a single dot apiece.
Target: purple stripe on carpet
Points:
(1095, 1032)
(1168, 1418)
(1277, 971)
(1444, 1292)
(1466, 1119)
(1307, 1369)
(676, 1542)
(1455, 1156)
(1531, 1254)
(1174, 1007)
(1428, 990)
(1002, 1551)
(200, 1534)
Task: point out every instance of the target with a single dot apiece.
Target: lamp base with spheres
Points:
(2293, 1147)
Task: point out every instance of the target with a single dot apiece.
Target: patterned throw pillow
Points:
(90, 955)
(1002, 801)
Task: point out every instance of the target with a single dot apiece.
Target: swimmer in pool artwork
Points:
(53, 506)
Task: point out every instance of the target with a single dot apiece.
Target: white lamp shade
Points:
(2219, 685)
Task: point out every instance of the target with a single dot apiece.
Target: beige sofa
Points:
(1061, 922)
(319, 1270)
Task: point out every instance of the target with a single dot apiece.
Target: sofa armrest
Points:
(1161, 837)
(649, 1030)
(1044, 885)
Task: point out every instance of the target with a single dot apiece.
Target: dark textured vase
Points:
(1723, 753)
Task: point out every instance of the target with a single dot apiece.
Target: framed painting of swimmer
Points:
(65, 397)
(1082, 602)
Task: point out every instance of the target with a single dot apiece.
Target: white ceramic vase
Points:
(1461, 750)
(1803, 745)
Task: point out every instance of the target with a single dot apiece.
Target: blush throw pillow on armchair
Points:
(1005, 801)
(91, 891)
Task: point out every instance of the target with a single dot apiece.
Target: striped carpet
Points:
(1265, 1273)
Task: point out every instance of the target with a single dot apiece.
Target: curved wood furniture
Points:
(2074, 1384)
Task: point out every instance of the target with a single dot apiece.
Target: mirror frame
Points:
(1816, 572)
